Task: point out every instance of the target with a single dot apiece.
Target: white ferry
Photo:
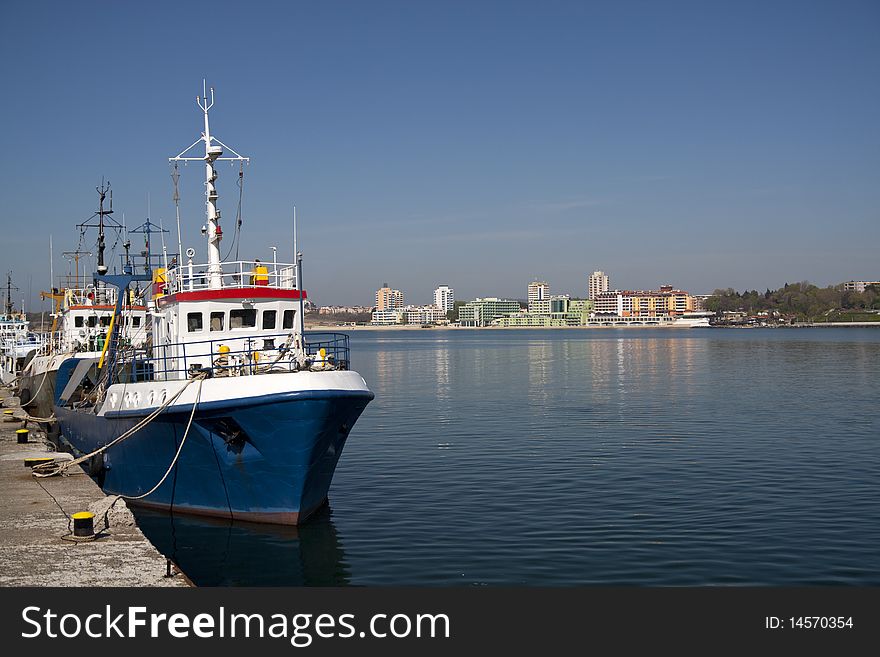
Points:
(694, 319)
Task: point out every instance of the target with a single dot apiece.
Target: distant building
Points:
(417, 315)
(388, 317)
(700, 301)
(597, 284)
(482, 312)
(557, 303)
(424, 315)
(388, 299)
(561, 311)
(350, 310)
(538, 291)
(444, 298)
(858, 286)
(644, 303)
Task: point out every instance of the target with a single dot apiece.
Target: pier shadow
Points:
(213, 552)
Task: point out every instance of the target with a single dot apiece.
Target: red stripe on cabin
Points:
(232, 293)
(103, 307)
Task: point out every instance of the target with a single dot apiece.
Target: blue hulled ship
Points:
(231, 410)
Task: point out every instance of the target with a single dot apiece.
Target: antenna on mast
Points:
(126, 265)
(297, 261)
(104, 220)
(162, 232)
(75, 256)
(213, 153)
(9, 288)
(148, 228)
(175, 177)
(294, 246)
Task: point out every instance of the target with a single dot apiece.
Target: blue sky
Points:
(479, 144)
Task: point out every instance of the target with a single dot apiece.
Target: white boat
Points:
(82, 317)
(247, 411)
(694, 319)
(17, 341)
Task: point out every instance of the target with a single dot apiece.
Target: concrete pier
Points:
(32, 524)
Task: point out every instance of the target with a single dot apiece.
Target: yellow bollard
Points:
(37, 460)
(83, 523)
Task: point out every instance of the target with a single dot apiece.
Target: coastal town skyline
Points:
(605, 305)
(597, 281)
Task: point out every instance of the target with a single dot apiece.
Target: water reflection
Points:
(441, 368)
(221, 553)
(637, 456)
(541, 366)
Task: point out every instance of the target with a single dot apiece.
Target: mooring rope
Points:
(179, 449)
(39, 387)
(116, 498)
(56, 468)
(45, 420)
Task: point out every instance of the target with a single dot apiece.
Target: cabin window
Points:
(269, 319)
(288, 319)
(93, 321)
(78, 321)
(105, 320)
(217, 321)
(244, 318)
(193, 322)
(135, 321)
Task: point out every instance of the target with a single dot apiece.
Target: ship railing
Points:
(24, 339)
(51, 343)
(334, 346)
(90, 295)
(235, 274)
(239, 356)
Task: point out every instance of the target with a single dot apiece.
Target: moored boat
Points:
(232, 410)
(81, 322)
(17, 341)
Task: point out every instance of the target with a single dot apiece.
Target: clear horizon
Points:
(478, 145)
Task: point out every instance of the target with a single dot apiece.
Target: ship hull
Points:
(264, 459)
(36, 387)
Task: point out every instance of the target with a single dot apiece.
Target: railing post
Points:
(165, 361)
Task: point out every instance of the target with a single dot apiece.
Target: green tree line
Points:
(802, 300)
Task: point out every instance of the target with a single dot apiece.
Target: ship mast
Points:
(213, 152)
(104, 220)
(102, 194)
(9, 288)
(75, 257)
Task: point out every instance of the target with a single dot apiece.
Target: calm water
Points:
(650, 457)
